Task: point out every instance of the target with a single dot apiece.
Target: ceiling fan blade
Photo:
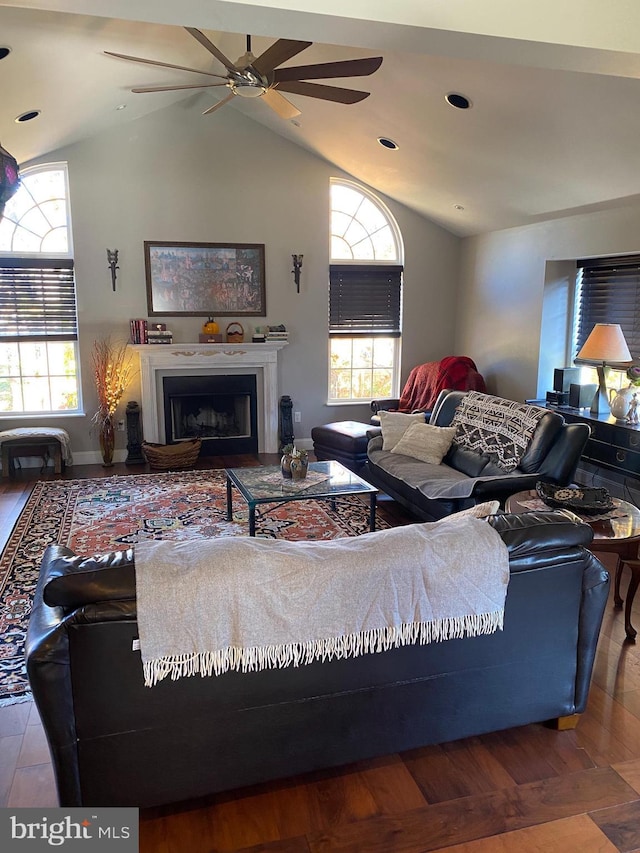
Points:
(210, 46)
(175, 88)
(280, 104)
(162, 64)
(325, 93)
(324, 70)
(218, 105)
(278, 53)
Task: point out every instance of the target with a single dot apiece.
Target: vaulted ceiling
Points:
(553, 127)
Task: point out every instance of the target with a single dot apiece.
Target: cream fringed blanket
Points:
(235, 603)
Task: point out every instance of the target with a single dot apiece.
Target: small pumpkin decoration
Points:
(211, 327)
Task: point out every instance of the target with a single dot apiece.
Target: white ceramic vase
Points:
(621, 402)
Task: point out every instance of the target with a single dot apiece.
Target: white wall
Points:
(502, 291)
(176, 175)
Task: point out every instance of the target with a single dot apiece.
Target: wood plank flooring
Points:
(524, 790)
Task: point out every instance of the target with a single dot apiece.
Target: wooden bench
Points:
(45, 448)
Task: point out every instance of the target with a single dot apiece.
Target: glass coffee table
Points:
(324, 481)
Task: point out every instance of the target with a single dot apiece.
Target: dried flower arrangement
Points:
(112, 371)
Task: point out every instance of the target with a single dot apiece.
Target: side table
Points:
(617, 532)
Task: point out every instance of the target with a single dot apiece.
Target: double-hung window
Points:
(365, 297)
(38, 316)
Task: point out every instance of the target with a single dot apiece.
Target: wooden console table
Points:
(612, 445)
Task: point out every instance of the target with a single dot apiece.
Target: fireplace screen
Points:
(221, 410)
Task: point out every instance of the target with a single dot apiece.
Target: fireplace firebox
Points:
(219, 409)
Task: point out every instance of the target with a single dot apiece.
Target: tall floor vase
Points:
(107, 441)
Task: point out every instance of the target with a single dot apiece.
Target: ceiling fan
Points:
(260, 77)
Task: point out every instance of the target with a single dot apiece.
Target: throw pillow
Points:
(425, 442)
(394, 425)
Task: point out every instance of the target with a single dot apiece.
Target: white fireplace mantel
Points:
(160, 360)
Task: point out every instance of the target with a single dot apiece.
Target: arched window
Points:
(38, 319)
(365, 297)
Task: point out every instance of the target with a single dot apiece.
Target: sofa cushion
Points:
(425, 442)
(498, 428)
(467, 461)
(541, 442)
(395, 424)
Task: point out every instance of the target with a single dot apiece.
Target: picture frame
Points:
(205, 279)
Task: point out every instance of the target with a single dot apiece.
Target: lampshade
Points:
(9, 177)
(605, 344)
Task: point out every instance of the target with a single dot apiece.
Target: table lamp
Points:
(605, 345)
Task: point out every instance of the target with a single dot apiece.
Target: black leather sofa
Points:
(552, 456)
(115, 742)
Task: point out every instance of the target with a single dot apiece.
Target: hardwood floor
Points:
(525, 789)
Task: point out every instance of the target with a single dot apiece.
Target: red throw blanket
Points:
(455, 372)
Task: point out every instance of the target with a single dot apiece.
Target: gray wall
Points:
(176, 175)
(511, 286)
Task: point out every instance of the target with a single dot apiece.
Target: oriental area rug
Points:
(113, 513)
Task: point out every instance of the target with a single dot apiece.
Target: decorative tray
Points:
(579, 499)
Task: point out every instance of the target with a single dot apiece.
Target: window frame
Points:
(396, 263)
(45, 260)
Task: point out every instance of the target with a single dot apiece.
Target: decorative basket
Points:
(168, 456)
(235, 333)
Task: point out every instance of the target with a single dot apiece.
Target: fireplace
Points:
(185, 361)
(221, 410)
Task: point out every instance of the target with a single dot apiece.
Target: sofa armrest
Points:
(385, 404)
(501, 488)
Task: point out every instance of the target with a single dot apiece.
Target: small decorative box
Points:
(210, 339)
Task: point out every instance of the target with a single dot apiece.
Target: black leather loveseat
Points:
(465, 477)
(117, 742)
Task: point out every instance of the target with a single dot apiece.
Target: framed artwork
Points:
(205, 279)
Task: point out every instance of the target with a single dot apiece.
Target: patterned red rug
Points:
(92, 516)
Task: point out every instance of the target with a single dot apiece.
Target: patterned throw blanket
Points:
(239, 603)
(498, 428)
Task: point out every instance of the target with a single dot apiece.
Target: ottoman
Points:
(344, 441)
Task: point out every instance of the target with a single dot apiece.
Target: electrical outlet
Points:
(297, 417)
(120, 426)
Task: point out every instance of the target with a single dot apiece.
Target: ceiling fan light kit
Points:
(260, 77)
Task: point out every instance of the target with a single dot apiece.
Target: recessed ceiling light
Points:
(4, 52)
(460, 102)
(121, 107)
(388, 143)
(295, 122)
(28, 116)
(458, 207)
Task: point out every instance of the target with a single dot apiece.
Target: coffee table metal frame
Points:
(256, 490)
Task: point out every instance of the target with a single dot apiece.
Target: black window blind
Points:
(37, 300)
(365, 300)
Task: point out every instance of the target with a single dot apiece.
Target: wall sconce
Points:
(112, 258)
(297, 266)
